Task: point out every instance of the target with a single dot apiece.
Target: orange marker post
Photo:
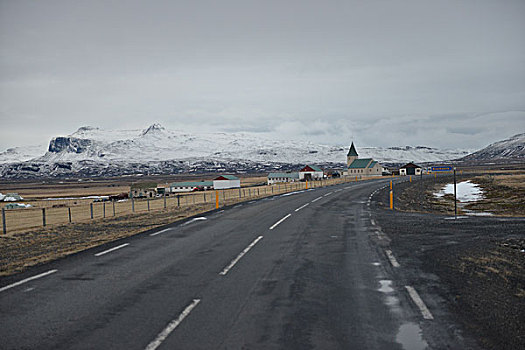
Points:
(391, 200)
(216, 199)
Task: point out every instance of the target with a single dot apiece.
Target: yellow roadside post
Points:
(410, 178)
(391, 200)
(306, 184)
(390, 184)
(216, 199)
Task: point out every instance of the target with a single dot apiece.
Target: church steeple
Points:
(352, 155)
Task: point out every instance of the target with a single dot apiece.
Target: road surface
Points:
(307, 270)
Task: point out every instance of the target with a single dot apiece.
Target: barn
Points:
(189, 186)
(311, 172)
(226, 181)
(410, 169)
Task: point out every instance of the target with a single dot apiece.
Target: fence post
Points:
(239, 193)
(178, 200)
(91, 209)
(4, 226)
(103, 209)
(44, 217)
(204, 197)
(164, 200)
(113, 207)
(132, 204)
(69, 214)
(148, 203)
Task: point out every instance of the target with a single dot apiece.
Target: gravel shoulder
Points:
(475, 265)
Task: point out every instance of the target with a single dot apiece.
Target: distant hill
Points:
(511, 149)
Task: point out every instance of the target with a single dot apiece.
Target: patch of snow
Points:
(466, 191)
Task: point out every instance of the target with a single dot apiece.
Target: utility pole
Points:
(455, 197)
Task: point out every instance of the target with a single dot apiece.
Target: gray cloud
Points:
(445, 74)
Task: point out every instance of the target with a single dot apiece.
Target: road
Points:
(308, 270)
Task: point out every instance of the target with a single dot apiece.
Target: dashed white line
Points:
(278, 222)
(329, 193)
(392, 258)
(315, 200)
(158, 233)
(112, 249)
(171, 326)
(419, 302)
(193, 220)
(303, 206)
(27, 280)
(373, 222)
(234, 261)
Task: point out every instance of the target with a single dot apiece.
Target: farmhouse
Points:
(282, 177)
(226, 181)
(363, 166)
(143, 189)
(310, 172)
(410, 169)
(189, 186)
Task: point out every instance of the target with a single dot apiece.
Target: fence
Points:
(19, 220)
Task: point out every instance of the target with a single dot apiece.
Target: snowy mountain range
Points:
(91, 151)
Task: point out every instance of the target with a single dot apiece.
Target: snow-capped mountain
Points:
(511, 148)
(93, 151)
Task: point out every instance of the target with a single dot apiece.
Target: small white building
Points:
(282, 177)
(226, 181)
(410, 169)
(310, 172)
(190, 186)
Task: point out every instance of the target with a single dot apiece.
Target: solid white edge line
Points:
(278, 222)
(234, 261)
(158, 233)
(27, 280)
(419, 302)
(315, 200)
(392, 258)
(112, 249)
(171, 326)
(200, 218)
(303, 206)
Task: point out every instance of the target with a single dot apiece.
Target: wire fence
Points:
(78, 211)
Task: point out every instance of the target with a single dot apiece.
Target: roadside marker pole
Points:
(391, 184)
(69, 214)
(391, 200)
(410, 178)
(455, 201)
(4, 226)
(165, 198)
(306, 184)
(44, 217)
(91, 209)
(216, 199)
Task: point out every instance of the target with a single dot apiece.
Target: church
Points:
(363, 166)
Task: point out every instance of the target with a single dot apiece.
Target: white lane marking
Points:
(194, 219)
(158, 233)
(171, 326)
(251, 202)
(27, 280)
(347, 187)
(315, 200)
(419, 302)
(28, 289)
(329, 193)
(392, 258)
(339, 190)
(112, 249)
(220, 211)
(303, 206)
(373, 222)
(278, 222)
(234, 261)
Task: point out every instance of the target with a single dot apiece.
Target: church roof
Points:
(352, 151)
(362, 163)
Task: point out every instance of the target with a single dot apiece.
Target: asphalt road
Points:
(309, 270)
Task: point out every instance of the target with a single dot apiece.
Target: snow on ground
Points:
(466, 191)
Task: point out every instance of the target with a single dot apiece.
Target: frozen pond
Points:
(466, 191)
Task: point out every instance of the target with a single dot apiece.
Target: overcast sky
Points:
(383, 73)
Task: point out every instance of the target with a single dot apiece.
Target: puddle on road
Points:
(410, 338)
(386, 286)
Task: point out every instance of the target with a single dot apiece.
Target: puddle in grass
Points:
(410, 338)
